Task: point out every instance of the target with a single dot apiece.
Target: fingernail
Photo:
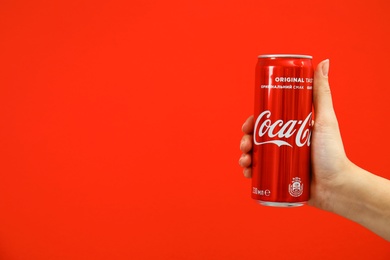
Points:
(325, 68)
(240, 161)
(247, 172)
(242, 144)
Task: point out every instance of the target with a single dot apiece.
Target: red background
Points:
(120, 124)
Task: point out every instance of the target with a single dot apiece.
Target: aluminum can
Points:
(281, 138)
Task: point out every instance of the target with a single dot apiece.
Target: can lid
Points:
(299, 56)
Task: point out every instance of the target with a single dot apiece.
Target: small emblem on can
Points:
(296, 187)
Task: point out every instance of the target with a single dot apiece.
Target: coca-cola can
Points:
(281, 138)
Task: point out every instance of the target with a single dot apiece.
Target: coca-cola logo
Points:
(279, 132)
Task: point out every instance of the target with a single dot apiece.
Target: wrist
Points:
(327, 193)
(343, 191)
(360, 196)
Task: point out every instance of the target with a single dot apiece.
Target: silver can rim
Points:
(297, 56)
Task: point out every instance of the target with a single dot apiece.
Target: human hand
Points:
(328, 157)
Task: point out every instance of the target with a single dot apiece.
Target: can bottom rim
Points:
(281, 204)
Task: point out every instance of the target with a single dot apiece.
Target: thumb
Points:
(322, 98)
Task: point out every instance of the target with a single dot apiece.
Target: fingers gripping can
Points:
(282, 131)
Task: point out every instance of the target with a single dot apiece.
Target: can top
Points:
(297, 56)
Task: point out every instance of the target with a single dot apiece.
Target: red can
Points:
(281, 138)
